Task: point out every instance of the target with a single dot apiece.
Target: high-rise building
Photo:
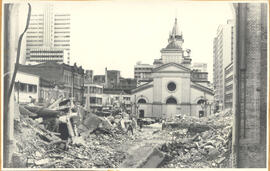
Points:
(48, 36)
(228, 99)
(222, 57)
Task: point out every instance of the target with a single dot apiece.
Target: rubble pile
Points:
(207, 148)
(64, 135)
(42, 149)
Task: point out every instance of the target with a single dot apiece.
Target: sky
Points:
(117, 34)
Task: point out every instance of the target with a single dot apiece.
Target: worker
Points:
(140, 123)
(130, 128)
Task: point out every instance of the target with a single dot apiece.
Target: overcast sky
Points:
(117, 34)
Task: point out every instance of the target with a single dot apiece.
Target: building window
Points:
(141, 113)
(16, 86)
(201, 101)
(92, 100)
(32, 88)
(171, 100)
(171, 86)
(86, 90)
(141, 101)
(23, 87)
(41, 94)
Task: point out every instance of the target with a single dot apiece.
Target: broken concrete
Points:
(154, 159)
(205, 148)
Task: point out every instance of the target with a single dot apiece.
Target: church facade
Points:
(173, 90)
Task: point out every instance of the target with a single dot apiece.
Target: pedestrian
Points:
(130, 128)
(134, 123)
(140, 123)
(163, 124)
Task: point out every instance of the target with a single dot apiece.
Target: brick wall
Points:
(252, 87)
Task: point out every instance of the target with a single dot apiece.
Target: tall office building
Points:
(48, 36)
(228, 95)
(222, 56)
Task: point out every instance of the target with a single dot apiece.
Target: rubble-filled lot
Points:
(90, 141)
(97, 150)
(199, 142)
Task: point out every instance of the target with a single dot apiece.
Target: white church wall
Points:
(166, 93)
(146, 94)
(157, 94)
(186, 90)
(185, 109)
(147, 108)
(197, 95)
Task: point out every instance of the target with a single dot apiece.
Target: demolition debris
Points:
(199, 142)
(65, 135)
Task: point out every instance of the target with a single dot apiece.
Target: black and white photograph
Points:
(115, 85)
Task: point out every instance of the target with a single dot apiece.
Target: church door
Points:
(141, 113)
(171, 110)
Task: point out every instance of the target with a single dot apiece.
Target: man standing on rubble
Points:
(130, 128)
(140, 123)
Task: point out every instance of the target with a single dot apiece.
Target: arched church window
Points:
(141, 101)
(171, 86)
(171, 100)
(201, 101)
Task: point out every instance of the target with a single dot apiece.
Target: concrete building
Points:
(175, 88)
(48, 36)
(157, 62)
(200, 78)
(142, 72)
(99, 79)
(93, 94)
(112, 78)
(26, 85)
(88, 76)
(117, 98)
(41, 55)
(222, 56)
(199, 66)
(62, 79)
(228, 100)
(127, 83)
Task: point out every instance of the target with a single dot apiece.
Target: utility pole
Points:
(18, 92)
(11, 62)
(8, 102)
(135, 107)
